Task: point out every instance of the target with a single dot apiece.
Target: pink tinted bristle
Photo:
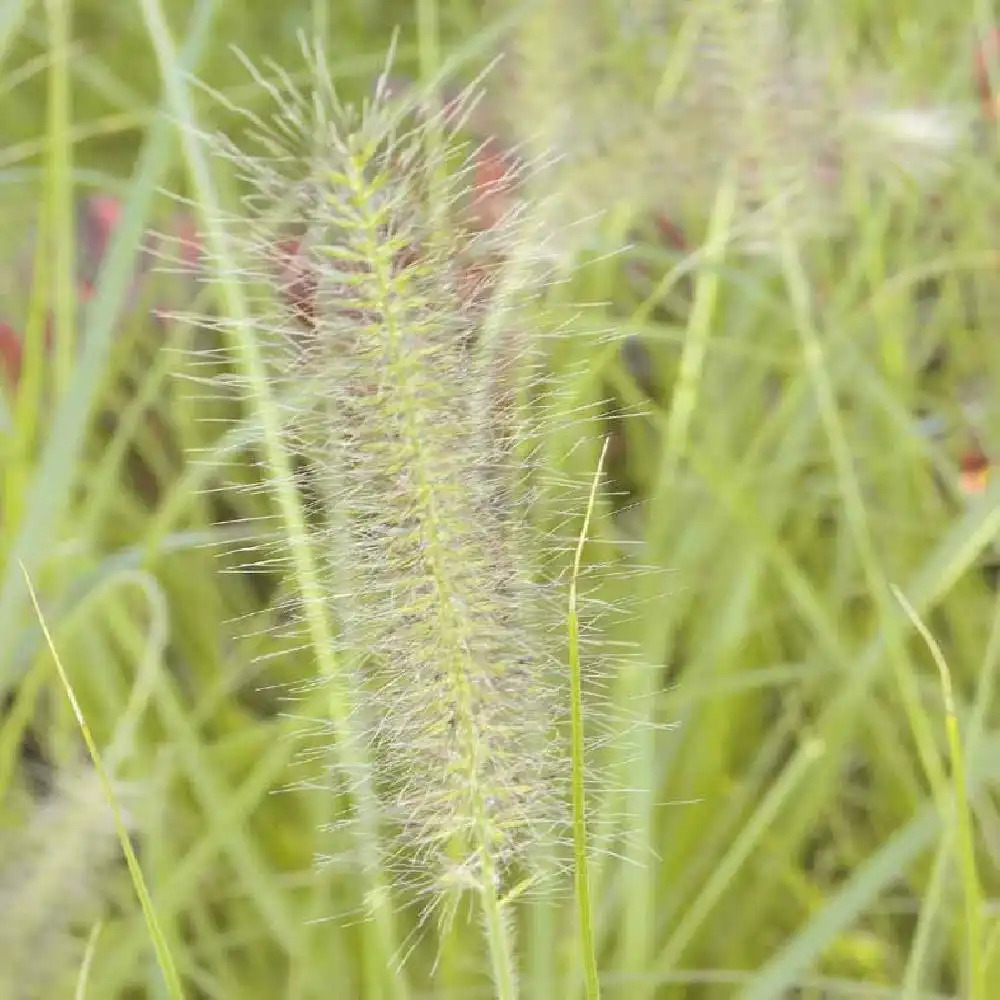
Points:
(987, 55)
(11, 353)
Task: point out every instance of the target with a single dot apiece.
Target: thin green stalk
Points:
(930, 907)
(160, 945)
(88, 960)
(588, 949)
(497, 930)
(961, 818)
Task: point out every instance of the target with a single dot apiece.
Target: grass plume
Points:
(404, 342)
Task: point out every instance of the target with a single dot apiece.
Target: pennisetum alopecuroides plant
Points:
(406, 354)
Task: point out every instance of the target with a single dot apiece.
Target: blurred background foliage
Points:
(796, 826)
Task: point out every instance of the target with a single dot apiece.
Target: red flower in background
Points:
(975, 472)
(987, 55)
(10, 353)
(97, 218)
(493, 185)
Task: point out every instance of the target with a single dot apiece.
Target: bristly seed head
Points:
(405, 341)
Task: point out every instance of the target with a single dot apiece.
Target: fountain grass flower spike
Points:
(403, 339)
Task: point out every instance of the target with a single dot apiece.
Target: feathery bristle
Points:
(399, 325)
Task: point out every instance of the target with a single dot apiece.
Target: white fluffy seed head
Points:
(403, 339)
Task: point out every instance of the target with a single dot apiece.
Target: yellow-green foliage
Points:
(392, 483)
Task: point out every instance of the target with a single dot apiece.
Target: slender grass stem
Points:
(588, 948)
